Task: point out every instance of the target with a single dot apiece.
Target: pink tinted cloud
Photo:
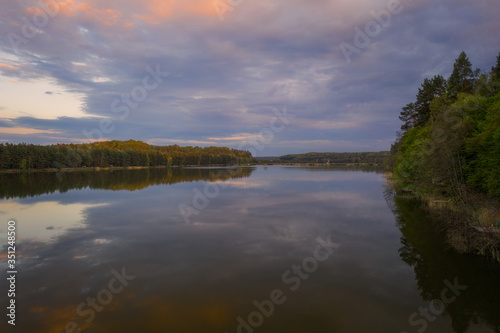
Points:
(123, 13)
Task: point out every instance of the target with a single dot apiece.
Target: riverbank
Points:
(107, 168)
(186, 166)
(325, 164)
(471, 223)
(79, 169)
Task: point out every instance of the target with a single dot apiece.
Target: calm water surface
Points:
(265, 249)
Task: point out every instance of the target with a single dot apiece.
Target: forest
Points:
(448, 153)
(341, 158)
(450, 136)
(114, 153)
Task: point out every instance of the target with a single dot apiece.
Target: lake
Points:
(253, 249)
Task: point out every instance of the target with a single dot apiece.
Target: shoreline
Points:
(117, 168)
(49, 170)
(324, 164)
(469, 226)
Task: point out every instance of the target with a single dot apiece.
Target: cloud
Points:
(179, 142)
(227, 76)
(7, 67)
(236, 137)
(24, 131)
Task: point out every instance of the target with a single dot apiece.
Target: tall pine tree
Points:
(419, 112)
(430, 89)
(407, 116)
(463, 78)
(495, 71)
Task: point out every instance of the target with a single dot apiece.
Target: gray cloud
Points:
(225, 77)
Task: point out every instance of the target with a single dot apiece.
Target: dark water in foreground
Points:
(266, 249)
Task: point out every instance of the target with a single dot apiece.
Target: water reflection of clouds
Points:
(203, 275)
(318, 175)
(311, 197)
(44, 221)
(245, 184)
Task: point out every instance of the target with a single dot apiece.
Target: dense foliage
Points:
(363, 157)
(114, 153)
(450, 137)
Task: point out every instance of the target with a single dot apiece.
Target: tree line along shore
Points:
(117, 154)
(448, 153)
(137, 154)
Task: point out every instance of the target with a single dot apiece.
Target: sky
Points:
(269, 76)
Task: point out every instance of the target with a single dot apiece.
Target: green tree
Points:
(407, 116)
(22, 164)
(483, 162)
(495, 71)
(463, 78)
(419, 112)
(430, 89)
(5, 162)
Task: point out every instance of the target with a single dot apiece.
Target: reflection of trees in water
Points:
(33, 184)
(389, 193)
(423, 248)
